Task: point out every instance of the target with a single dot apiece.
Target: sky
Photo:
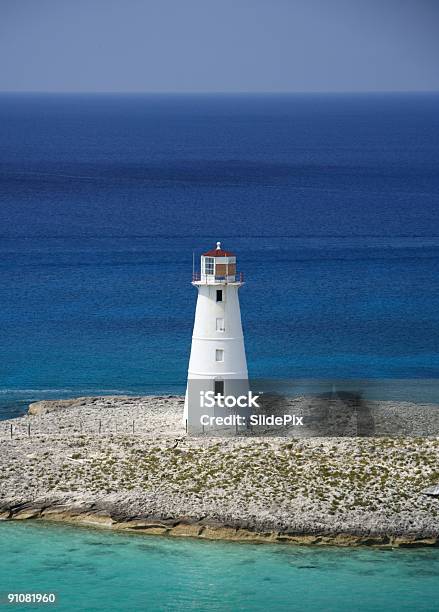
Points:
(219, 45)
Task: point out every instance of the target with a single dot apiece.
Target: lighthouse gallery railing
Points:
(238, 278)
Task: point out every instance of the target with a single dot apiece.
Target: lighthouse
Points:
(217, 364)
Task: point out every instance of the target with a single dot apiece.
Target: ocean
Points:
(93, 571)
(331, 203)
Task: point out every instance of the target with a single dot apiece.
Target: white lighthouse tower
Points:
(217, 361)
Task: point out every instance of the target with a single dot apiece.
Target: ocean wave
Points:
(54, 391)
(10, 391)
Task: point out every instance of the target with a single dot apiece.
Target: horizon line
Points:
(219, 92)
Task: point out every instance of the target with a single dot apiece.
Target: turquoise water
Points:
(93, 570)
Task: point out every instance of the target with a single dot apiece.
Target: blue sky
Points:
(219, 45)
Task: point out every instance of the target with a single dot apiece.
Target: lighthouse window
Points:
(219, 387)
(220, 325)
(219, 355)
(219, 295)
(209, 265)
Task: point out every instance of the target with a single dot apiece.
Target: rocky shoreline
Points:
(79, 461)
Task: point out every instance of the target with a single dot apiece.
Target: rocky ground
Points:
(82, 463)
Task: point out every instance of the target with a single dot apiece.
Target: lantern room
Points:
(218, 267)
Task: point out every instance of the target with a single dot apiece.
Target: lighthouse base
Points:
(213, 412)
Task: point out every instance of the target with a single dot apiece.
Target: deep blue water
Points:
(330, 202)
(92, 571)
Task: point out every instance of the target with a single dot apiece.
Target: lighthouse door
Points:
(218, 387)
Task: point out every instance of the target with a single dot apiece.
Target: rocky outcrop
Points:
(81, 463)
(46, 406)
(184, 527)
